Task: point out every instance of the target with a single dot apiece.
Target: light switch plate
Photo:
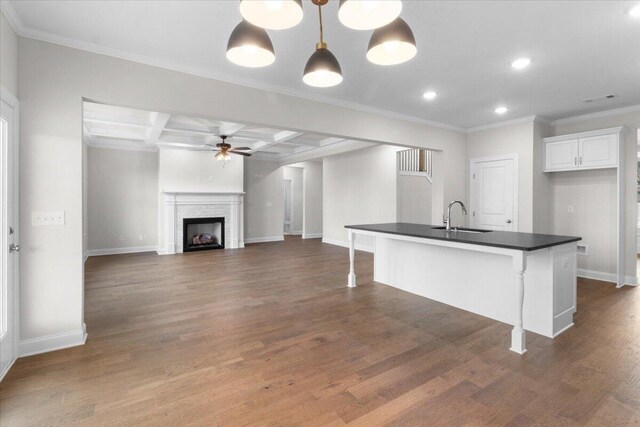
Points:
(39, 219)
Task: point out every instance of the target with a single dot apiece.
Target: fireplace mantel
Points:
(178, 205)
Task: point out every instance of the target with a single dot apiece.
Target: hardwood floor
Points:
(271, 335)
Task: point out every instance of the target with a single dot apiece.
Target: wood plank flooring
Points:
(271, 335)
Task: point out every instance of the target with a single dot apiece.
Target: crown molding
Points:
(521, 120)
(14, 20)
(590, 116)
(24, 31)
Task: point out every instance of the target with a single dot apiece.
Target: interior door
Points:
(288, 206)
(493, 195)
(8, 237)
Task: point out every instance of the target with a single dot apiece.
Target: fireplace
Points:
(199, 234)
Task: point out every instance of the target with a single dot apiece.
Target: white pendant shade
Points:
(272, 14)
(392, 44)
(250, 46)
(368, 14)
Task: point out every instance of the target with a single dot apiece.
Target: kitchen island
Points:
(523, 279)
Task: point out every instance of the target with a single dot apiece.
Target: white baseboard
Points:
(345, 244)
(606, 277)
(53, 342)
(117, 251)
(85, 256)
(312, 236)
(296, 233)
(263, 239)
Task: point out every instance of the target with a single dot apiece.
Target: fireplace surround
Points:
(178, 205)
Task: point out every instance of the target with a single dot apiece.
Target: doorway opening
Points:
(293, 200)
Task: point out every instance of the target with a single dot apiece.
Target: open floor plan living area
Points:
(319, 213)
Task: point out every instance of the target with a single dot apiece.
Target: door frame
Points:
(10, 99)
(288, 181)
(472, 196)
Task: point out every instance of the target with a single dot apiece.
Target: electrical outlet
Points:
(582, 250)
(39, 219)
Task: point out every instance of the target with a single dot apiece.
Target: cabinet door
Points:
(598, 152)
(561, 155)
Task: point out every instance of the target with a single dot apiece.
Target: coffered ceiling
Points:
(128, 129)
(580, 50)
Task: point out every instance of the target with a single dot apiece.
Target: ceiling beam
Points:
(158, 124)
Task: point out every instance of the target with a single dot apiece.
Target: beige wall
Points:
(263, 200)
(358, 188)
(122, 199)
(8, 56)
(514, 139)
(590, 211)
(53, 82)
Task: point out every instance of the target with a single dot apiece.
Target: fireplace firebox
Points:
(200, 234)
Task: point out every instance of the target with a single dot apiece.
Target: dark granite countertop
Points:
(499, 239)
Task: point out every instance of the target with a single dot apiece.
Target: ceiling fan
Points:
(224, 149)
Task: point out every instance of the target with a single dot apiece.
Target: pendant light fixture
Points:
(250, 46)
(272, 14)
(322, 69)
(392, 44)
(368, 14)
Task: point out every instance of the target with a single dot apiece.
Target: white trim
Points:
(527, 119)
(53, 342)
(296, 233)
(6, 371)
(516, 174)
(85, 256)
(263, 239)
(12, 17)
(345, 244)
(606, 277)
(117, 251)
(587, 134)
(590, 116)
(12, 101)
(312, 236)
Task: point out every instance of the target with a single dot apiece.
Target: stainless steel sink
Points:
(462, 230)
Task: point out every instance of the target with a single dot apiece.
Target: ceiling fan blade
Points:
(240, 153)
(241, 148)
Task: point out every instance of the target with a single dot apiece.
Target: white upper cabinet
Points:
(587, 150)
(598, 151)
(561, 155)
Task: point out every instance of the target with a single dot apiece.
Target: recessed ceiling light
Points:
(501, 110)
(635, 11)
(429, 95)
(521, 63)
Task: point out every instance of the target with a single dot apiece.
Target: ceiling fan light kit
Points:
(250, 46)
(391, 43)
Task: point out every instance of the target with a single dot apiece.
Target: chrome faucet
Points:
(447, 220)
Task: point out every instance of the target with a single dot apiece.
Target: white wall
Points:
(8, 56)
(589, 201)
(122, 199)
(518, 139)
(53, 82)
(414, 200)
(295, 174)
(358, 188)
(263, 201)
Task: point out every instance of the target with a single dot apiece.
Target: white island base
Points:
(531, 290)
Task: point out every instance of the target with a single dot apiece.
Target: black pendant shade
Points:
(322, 69)
(250, 46)
(392, 44)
